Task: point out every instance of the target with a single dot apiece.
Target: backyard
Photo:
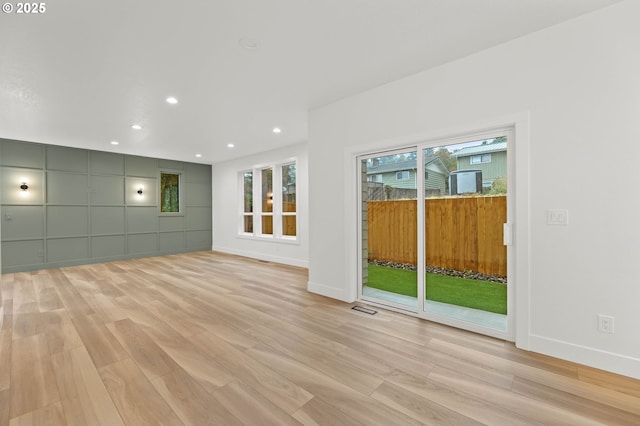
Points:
(470, 293)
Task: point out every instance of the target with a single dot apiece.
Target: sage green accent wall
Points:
(83, 206)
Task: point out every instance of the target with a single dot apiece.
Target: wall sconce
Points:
(23, 185)
(270, 197)
(140, 191)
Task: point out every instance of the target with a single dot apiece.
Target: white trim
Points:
(332, 292)
(285, 239)
(616, 363)
(262, 256)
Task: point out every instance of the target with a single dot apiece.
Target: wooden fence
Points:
(462, 233)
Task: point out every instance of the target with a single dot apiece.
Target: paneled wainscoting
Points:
(207, 338)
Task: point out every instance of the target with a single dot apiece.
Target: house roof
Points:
(480, 149)
(406, 165)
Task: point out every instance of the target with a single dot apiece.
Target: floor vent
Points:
(365, 310)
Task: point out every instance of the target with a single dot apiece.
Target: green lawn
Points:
(484, 295)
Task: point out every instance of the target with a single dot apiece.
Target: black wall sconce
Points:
(24, 186)
(140, 191)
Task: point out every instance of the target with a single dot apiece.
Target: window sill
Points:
(270, 239)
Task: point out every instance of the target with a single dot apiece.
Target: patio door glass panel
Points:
(465, 207)
(389, 201)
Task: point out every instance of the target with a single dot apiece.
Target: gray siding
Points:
(82, 206)
(435, 184)
(389, 178)
(490, 171)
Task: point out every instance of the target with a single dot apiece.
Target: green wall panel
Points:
(107, 220)
(82, 206)
(67, 159)
(142, 243)
(171, 241)
(198, 173)
(198, 194)
(67, 188)
(106, 163)
(198, 218)
(111, 246)
(141, 166)
(11, 192)
(142, 219)
(149, 196)
(21, 154)
(67, 221)
(21, 254)
(67, 249)
(107, 190)
(170, 165)
(171, 223)
(199, 240)
(20, 222)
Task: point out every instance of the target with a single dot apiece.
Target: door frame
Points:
(518, 215)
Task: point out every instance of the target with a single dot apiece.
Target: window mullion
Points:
(257, 202)
(277, 201)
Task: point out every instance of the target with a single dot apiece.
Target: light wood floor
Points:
(206, 338)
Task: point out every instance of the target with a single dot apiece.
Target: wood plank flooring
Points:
(207, 338)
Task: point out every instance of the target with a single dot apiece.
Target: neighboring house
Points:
(490, 158)
(402, 174)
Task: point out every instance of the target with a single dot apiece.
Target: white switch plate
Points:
(558, 217)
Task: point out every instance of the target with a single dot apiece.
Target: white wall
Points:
(579, 85)
(226, 209)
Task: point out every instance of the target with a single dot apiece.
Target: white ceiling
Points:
(85, 70)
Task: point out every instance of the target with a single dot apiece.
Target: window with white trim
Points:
(403, 175)
(289, 200)
(247, 202)
(267, 201)
(274, 214)
(376, 178)
(479, 159)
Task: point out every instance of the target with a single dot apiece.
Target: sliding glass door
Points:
(465, 209)
(443, 258)
(388, 232)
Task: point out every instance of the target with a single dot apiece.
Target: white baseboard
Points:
(332, 292)
(263, 256)
(609, 361)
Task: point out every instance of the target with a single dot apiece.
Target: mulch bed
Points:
(473, 275)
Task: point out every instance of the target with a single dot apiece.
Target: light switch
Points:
(558, 217)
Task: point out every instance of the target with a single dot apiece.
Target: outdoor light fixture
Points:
(24, 186)
(140, 191)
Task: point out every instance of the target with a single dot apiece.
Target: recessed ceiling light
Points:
(136, 127)
(249, 43)
(115, 143)
(199, 155)
(230, 145)
(171, 100)
(277, 130)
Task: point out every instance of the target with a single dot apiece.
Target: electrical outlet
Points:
(605, 324)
